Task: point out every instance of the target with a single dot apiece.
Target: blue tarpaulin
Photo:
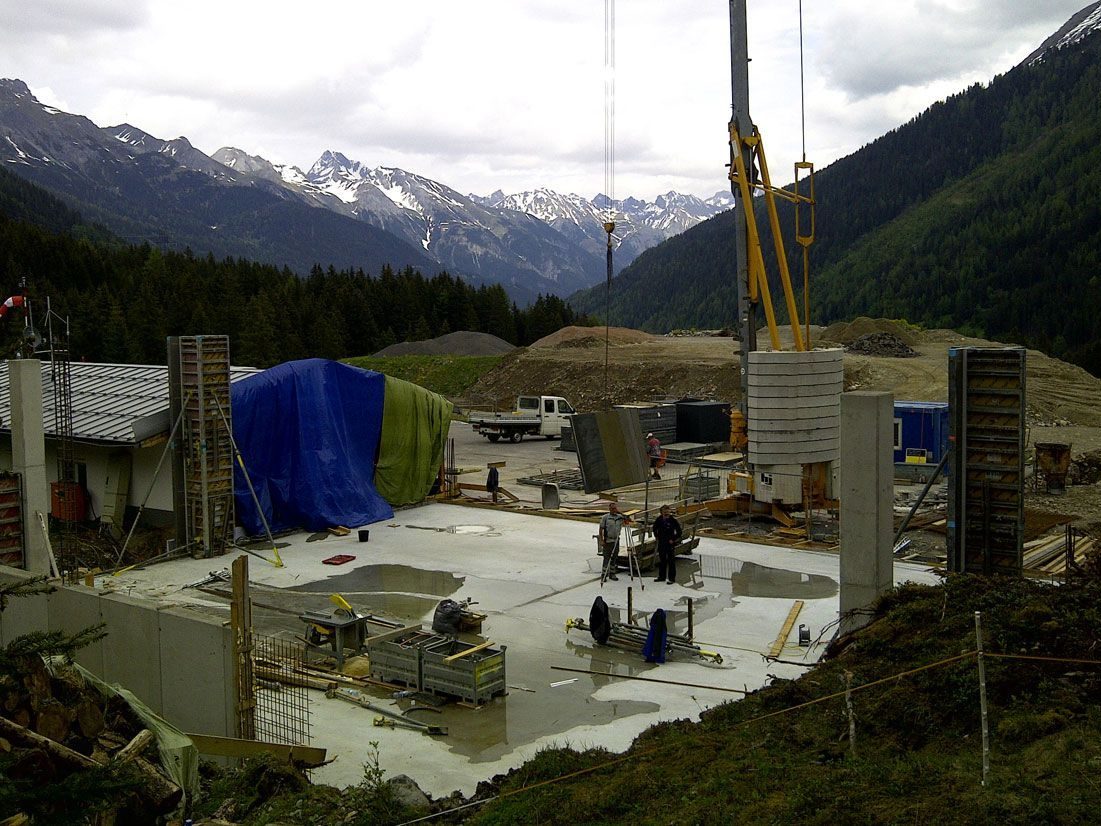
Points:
(308, 432)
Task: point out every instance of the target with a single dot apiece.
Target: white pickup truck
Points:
(533, 416)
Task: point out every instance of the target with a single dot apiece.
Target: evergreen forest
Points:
(982, 214)
(122, 301)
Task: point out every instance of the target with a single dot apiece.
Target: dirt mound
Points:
(882, 344)
(462, 343)
(580, 336)
(1085, 469)
(846, 332)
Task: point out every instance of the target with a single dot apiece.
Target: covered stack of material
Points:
(329, 444)
(659, 418)
(705, 422)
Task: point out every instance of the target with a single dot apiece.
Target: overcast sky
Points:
(509, 94)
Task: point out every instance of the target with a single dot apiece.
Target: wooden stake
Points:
(849, 710)
(982, 698)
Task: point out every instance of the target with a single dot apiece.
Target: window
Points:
(766, 478)
(548, 405)
(528, 403)
(564, 406)
(898, 434)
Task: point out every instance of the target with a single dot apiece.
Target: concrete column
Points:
(28, 453)
(867, 500)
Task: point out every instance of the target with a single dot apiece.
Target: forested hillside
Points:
(123, 300)
(981, 214)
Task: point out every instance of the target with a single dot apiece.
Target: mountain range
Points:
(340, 212)
(981, 214)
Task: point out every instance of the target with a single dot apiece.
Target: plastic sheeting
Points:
(178, 755)
(308, 432)
(415, 423)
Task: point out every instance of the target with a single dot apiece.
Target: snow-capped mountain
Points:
(1080, 24)
(235, 203)
(639, 224)
(463, 235)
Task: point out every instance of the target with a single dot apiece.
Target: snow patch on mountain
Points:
(1081, 24)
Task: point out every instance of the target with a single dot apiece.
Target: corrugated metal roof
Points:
(117, 403)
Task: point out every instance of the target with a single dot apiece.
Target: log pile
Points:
(54, 726)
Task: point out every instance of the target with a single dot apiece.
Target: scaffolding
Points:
(203, 455)
(67, 506)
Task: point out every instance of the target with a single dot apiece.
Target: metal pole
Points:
(982, 698)
(156, 473)
(741, 121)
(921, 497)
(248, 481)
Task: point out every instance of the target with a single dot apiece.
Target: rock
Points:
(407, 792)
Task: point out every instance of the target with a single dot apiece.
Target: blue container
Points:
(921, 432)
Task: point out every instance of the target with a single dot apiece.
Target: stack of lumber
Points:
(1048, 554)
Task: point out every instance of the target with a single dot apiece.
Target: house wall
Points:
(177, 661)
(95, 458)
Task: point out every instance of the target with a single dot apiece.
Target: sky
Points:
(510, 94)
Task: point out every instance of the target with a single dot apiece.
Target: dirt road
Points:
(1064, 401)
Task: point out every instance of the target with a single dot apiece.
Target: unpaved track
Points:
(1064, 401)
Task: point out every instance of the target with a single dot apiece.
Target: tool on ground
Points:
(212, 577)
(339, 559)
(359, 699)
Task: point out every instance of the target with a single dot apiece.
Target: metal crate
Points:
(476, 678)
(397, 657)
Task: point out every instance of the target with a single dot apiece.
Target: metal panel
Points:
(611, 450)
(986, 400)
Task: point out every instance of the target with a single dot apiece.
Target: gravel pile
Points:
(881, 344)
(462, 343)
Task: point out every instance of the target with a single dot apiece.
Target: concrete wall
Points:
(177, 661)
(867, 499)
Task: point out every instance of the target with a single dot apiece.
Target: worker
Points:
(667, 532)
(653, 450)
(608, 538)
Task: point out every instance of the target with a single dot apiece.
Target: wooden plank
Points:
(785, 631)
(468, 651)
(211, 745)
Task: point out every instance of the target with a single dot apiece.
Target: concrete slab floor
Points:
(529, 574)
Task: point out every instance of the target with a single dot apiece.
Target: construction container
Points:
(399, 659)
(476, 678)
(707, 422)
(67, 502)
(1053, 462)
(920, 432)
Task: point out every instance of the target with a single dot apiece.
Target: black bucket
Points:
(364, 536)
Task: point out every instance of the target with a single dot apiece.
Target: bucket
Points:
(364, 536)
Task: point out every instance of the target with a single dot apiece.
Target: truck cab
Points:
(553, 412)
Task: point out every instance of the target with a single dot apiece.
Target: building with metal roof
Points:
(120, 420)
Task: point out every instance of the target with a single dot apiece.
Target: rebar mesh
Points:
(282, 711)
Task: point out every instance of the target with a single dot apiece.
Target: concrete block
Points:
(73, 609)
(196, 656)
(131, 650)
(867, 517)
(24, 614)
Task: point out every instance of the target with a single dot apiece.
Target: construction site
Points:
(331, 568)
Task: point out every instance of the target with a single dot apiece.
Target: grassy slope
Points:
(918, 755)
(449, 376)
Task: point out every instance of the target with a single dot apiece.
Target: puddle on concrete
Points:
(752, 580)
(468, 530)
(506, 723)
(397, 591)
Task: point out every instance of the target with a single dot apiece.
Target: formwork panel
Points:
(986, 396)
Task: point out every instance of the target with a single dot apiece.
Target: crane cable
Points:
(609, 173)
(803, 129)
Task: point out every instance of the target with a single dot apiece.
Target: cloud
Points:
(505, 94)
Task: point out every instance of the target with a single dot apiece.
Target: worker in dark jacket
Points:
(667, 532)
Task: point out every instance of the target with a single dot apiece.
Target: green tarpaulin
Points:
(415, 422)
